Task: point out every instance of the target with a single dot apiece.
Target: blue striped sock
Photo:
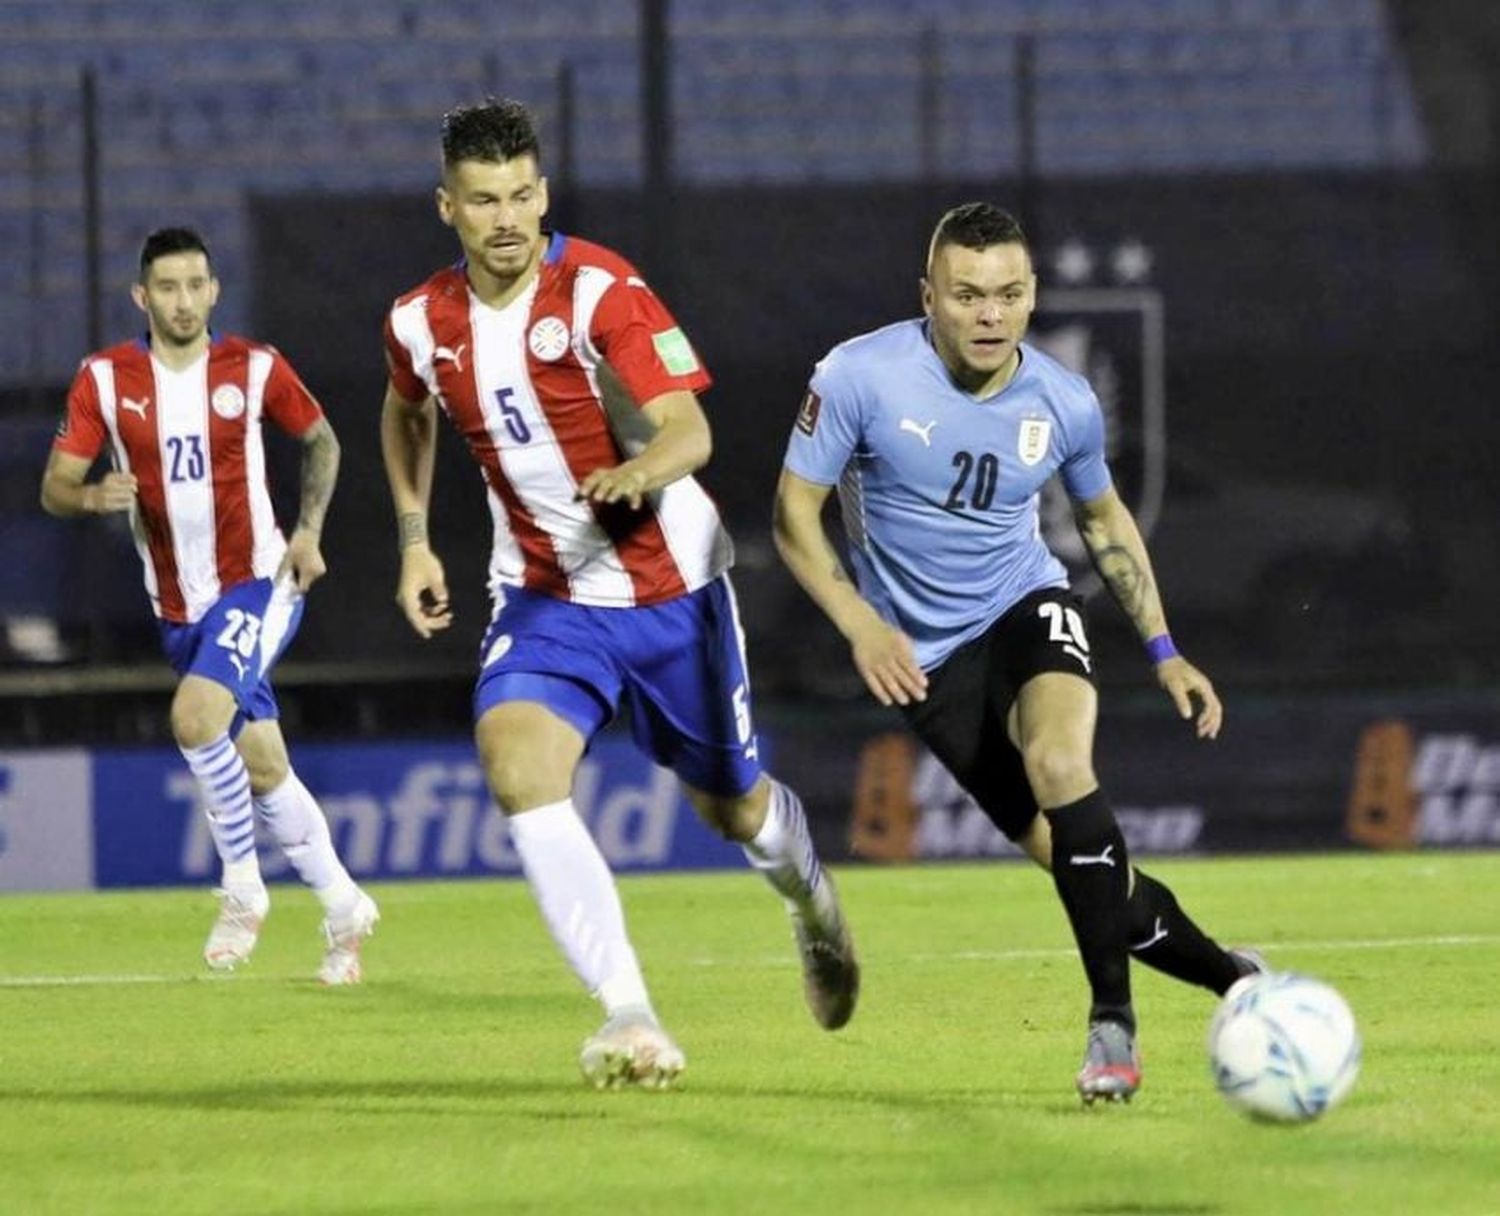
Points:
(226, 798)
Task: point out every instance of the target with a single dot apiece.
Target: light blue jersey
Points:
(939, 489)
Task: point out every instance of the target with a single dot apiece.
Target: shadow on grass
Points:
(402, 1098)
(1135, 1209)
(559, 1091)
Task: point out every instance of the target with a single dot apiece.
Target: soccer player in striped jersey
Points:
(180, 413)
(576, 393)
(939, 432)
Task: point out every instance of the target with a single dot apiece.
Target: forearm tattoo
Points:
(320, 471)
(412, 528)
(1127, 581)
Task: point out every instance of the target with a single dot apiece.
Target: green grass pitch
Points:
(131, 1082)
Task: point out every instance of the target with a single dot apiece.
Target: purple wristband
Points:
(1161, 648)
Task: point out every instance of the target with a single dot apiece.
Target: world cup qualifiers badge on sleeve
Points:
(807, 416)
(675, 352)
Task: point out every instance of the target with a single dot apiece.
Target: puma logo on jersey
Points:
(1105, 858)
(138, 408)
(239, 664)
(455, 357)
(924, 433)
(1068, 648)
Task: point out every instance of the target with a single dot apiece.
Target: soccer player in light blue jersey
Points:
(939, 433)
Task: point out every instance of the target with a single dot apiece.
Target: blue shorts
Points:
(679, 667)
(237, 642)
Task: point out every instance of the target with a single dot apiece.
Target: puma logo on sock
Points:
(1103, 859)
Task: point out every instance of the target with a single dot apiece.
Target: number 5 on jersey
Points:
(743, 727)
(515, 421)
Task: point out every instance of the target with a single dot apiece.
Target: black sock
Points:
(1163, 936)
(1091, 872)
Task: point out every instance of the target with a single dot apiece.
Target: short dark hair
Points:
(172, 240)
(977, 226)
(493, 130)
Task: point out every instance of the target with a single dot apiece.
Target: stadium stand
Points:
(202, 105)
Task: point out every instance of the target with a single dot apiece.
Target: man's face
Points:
(496, 207)
(980, 303)
(178, 294)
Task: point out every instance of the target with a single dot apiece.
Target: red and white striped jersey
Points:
(548, 389)
(202, 520)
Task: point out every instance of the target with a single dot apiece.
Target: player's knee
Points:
(1055, 769)
(266, 772)
(193, 722)
(519, 783)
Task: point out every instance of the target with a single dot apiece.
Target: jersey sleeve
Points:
(641, 341)
(828, 425)
(1085, 474)
(287, 402)
(398, 362)
(82, 432)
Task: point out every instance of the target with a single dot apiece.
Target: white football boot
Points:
(631, 1049)
(237, 928)
(344, 936)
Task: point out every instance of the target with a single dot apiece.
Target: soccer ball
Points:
(1283, 1047)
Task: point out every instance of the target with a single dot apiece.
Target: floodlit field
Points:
(130, 1081)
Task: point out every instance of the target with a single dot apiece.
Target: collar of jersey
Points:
(144, 340)
(943, 367)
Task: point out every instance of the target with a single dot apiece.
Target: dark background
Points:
(1330, 324)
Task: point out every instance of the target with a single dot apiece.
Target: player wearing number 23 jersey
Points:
(180, 413)
(202, 518)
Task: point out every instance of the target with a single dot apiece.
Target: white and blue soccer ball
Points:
(1283, 1047)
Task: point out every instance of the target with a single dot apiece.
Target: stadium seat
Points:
(276, 95)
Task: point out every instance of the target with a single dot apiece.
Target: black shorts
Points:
(970, 693)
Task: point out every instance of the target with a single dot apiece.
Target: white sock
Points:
(225, 784)
(297, 822)
(783, 850)
(576, 893)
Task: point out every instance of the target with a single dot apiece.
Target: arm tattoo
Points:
(1127, 582)
(839, 576)
(320, 470)
(412, 528)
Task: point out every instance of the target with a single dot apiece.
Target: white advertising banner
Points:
(46, 820)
